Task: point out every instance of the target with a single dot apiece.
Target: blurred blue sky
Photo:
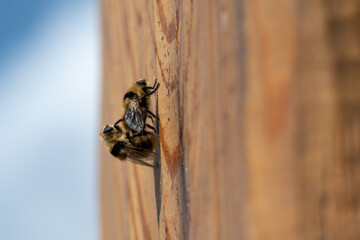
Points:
(18, 19)
(49, 106)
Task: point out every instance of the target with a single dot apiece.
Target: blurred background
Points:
(49, 105)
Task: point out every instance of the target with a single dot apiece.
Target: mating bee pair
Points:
(127, 139)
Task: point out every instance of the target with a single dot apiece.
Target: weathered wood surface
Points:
(259, 109)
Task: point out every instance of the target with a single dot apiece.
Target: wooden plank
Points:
(172, 191)
(259, 111)
(212, 73)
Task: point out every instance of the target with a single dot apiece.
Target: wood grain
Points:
(166, 41)
(259, 130)
(128, 200)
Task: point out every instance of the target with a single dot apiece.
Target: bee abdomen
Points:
(147, 145)
(143, 142)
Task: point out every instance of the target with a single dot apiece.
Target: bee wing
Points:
(140, 162)
(134, 118)
(141, 155)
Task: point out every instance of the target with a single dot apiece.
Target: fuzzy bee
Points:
(136, 103)
(138, 149)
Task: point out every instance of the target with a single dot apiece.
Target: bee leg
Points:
(154, 83)
(152, 119)
(156, 88)
(117, 122)
(147, 87)
(139, 134)
(151, 113)
(128, 131)
(151, 127)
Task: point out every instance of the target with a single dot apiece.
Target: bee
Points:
(136, 103)
(137, 149)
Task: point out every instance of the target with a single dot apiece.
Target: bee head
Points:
(107, 132)
(141, 82)
(107, 129)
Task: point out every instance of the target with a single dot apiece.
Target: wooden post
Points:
(259, 107)
(166, 19)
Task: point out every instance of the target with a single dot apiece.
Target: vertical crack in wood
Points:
(243, 178)
(157, 173)
(184, 211)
